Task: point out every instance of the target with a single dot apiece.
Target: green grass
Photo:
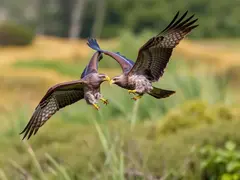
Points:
(70, 69)
(107, 149)
(146, 138)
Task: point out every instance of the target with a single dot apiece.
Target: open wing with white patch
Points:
(154, 55)
(57, 97)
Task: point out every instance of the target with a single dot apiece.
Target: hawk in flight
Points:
(67, 93)
(152, 59)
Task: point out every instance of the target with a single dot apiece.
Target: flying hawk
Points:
(67, 93)
(152, 59)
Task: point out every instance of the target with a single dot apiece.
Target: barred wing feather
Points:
(154, 55)
(57, 97)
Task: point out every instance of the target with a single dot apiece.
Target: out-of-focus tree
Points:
(76, 18)
(107, 18)
(99, 18)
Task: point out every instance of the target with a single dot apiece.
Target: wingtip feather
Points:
(93, 44)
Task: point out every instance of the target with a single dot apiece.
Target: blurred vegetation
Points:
(221, 163)
(84, 152)
(15, 35)
(148, 139)
(55, 17)
(215, 21)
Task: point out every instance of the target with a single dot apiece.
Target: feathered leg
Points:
(99, 96)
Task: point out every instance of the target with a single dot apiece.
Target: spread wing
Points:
(125, 63)
(92, 66)
(154, 55)
(57, 97)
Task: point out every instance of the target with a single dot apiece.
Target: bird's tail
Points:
(92, 43)
(160, 93)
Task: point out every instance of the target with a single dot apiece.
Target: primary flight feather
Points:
(152, 59)
(67, 93)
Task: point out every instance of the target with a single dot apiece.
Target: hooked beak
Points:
(107, 78)
(112, 82)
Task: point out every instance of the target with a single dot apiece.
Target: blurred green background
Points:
(193, 134)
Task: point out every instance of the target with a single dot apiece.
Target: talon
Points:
(96, 106)
(105, 101)
(136, 97)
(132, 91)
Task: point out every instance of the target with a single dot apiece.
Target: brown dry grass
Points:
(29, 85)
(52, 48)
(48, 48)
(25, 85)
(222, 57)
(33, 83)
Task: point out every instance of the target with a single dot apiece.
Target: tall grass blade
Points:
(59, 167)
(35, 161)
(3, 175)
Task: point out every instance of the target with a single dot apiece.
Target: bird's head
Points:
(118, 80)
(104, 77)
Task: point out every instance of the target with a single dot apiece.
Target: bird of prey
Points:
(67, 93)
(152, 59)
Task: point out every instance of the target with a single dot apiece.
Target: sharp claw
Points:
(96, 106)
(136, 97)
(105, 101)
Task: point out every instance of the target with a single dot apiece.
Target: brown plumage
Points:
(67, 93)
(154, 55)
(152, 58)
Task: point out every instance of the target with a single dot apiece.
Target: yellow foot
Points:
(105, 101)
(136, 97)
(132, 91)
(96, 106)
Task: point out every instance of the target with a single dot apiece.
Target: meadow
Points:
(193, 134)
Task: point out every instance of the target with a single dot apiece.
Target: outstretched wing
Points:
(92, 66)
(57, 97)
(154, 55)
(125, 63)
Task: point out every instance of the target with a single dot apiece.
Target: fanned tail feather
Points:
(160, 93)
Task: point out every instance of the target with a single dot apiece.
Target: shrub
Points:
(221, 163)
(196, 113)
(14, 34)
(84, 153)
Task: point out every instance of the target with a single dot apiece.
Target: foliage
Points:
(154, 15)
(221, 163)
(187, 87)
(137, 16)
(14, 34)
(147, 138)
(194, 113)
(109, 149)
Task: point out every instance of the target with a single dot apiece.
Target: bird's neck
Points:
(123, 83)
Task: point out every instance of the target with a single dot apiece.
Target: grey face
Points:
(103, 77)
(118, 80)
